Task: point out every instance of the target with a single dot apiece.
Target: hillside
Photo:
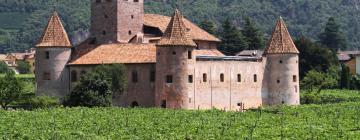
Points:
(21, 22)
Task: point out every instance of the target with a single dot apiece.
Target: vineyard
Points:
(333, 121)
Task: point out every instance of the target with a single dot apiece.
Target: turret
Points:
(52, 54)
(175, 56)
(282, 67)
(116, 20)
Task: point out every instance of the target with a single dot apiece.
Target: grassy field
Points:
(336, 121)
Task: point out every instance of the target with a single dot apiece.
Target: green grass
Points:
(330, 97)
(336, 121)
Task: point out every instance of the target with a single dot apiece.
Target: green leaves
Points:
(10, 89)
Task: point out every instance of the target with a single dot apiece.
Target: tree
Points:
(232, 39)
(23, 67)
(314, 57)
(253, 35)
(3, 67)
(10, 89)
(332, 36)
(97, 88)
(320, 80)
(208, 26)
(345, 77)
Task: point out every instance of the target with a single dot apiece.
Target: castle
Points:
(170, 62)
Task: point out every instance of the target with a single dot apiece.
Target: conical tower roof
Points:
(176, 33)
(54, 34)
(281, 41)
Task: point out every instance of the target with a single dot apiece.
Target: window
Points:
(280, 61)
(222, 78)
(136, 0)
(132, 16)
(104, 32)
(130, 32)
(255, 78)
(163, 104)
(239, 78)
(73, 76)
(174, 53)
(47, 76)
(47, 55)
(105, 16)
(98, 1)
(189, 54)
(204, 77)
(191, 79)
(134, 77)
(152, 76)
(169, 79)
(294, 78)
(278, 81)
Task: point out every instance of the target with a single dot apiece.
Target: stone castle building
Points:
(170, 62)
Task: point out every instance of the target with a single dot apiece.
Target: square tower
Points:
(116, 20)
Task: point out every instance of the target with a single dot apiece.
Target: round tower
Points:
(52, 54)
(175, 56)
(282, 67)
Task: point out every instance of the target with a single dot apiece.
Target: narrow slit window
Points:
(255, 78)
(189, 54)
(191, 79)
(239, 78)
(204, 77)
(47, 55)
(152, 76)
(134, 77)
(222, 77)
(295, 78)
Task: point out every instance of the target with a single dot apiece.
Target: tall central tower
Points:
(116, 20)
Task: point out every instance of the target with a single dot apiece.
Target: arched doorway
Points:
(134, 104)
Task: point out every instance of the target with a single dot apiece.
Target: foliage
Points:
(116, 75)
(10, 89)
(93, 90)
(3, 67)
(345, 77)
(254, 37)
(304, 17)
(355, 82)
(330, 97)
(332, 37)
(43, 102)
(321, 62)
(319, 80)
(335, 121)
(23, 67)
(208, 26)
(233, 40)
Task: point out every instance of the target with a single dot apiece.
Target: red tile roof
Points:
(114, 53)
(281, 41)
(54, 34)
(195, 32)
(176, 34)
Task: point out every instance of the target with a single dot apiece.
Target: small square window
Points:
(169, 79)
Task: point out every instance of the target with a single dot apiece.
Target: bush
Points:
(43, 102)
(330, 97)
(23, 67)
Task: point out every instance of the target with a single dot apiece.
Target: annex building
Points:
(170, 62)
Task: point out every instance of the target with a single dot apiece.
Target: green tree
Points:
(3, 67)
(208, 26)
(345, 77)
(10, 89)
(314, 57)
(97, 88)
(332, 36)
(23, 67)
(254, 37)
(233, 40)
(318, 80)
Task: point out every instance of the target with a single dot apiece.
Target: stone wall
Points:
(283, 79)
(51, 75)
(230, 93)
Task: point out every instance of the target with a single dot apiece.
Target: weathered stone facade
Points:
(174, 66)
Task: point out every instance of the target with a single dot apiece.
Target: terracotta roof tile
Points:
(176, 34)
(281, 41)
(114, 53)
(195, 32)
(54, 34)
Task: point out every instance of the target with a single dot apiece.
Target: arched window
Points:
(73, 76)
(134, 76)
(222, 77)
